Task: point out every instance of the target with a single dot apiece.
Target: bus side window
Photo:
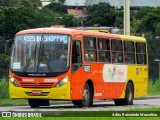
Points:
(76, 55)
(129, 52)
(141, 53)
(117, 51)
(104, 50)
(90, 50)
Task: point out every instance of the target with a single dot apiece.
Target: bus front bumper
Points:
(62, 92)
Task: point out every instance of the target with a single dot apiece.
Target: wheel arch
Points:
(90, 83)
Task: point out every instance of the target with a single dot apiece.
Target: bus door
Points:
(77, 71)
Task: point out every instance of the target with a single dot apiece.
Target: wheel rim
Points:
(129, 95)
(86, 96)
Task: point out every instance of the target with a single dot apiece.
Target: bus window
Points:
(90, 50)
(117, 51)
(129, 52)
(104, 50)
(141, 53)
(76, 56)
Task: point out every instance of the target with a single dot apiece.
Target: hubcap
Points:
(130, 95)
(86, 96)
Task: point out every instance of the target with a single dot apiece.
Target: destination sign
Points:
(45, 38)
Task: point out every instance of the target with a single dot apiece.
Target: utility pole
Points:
(126, 17)
(77, 13)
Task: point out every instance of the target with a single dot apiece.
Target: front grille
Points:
(37, 85)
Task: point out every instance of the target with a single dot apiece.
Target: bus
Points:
(58, 63)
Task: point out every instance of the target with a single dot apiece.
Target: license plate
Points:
(37, 92)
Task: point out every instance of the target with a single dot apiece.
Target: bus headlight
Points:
(14, 82)
(62, 82)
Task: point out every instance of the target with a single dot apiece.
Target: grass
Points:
(4, 90)
(13, 102)
(153, 89)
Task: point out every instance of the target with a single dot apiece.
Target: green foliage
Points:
(4, 3)
(143, 12)
(16, 19)
(154, 87)
(4, 91)
(119, 19)
(57, 7)
(2, 47)
(153, 53)
(101, 13)
(51, 18)
(69, 20)
(149, 22)
(4, 64)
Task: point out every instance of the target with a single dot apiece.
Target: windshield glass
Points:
(40, 53)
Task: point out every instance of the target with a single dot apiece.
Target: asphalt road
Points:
(98, 106)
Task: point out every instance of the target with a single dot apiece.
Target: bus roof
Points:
(73, 31)
(142, 39)
(48, 30)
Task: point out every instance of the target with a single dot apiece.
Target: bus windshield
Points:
(40, 53)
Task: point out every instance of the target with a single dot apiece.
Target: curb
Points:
(147, 97)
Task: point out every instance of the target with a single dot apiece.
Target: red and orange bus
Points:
(77, 65)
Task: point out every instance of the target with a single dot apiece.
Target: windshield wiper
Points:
(28, 61)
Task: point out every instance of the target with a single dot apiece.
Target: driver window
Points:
(76, 56)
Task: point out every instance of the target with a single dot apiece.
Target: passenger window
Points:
(129, 52)
(104, 50)
(90, 50)
(117, 51)
(141, 53)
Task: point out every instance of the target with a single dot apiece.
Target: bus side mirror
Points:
(8, 45)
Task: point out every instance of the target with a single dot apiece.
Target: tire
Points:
(87, 100)
(129, 94)
(36, 103)
(75, 102)
(119, 102)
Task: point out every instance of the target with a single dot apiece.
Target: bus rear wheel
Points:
(87, 99)
(129, 94)
(36, 103)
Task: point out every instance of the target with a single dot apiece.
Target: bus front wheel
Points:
(87, 99)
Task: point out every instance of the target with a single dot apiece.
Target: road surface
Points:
(98, 106)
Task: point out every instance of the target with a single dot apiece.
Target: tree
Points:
(101, 13)
(34, 4)
(140, 14)
(16, 19)
(153, 53)
(57, 7)
(4, 64)
(51, 18)
(69, 20)
(149, 19)
(119, 18)
(4, 3)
